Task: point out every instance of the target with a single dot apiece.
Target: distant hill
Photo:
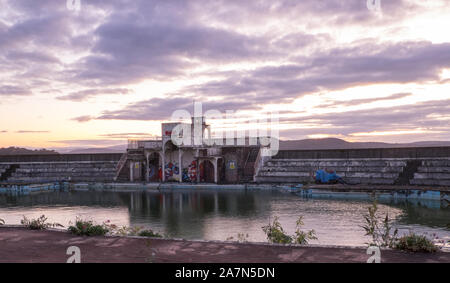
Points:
(111, 149)
(23, 151)
(327, 143)
(334, 143)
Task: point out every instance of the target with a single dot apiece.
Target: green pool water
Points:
(218, 215)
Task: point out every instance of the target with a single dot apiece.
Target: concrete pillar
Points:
(198, 170)
(131, 171)
(163, 164)
(215, 171)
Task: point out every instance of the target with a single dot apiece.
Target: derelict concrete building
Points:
(200, 159)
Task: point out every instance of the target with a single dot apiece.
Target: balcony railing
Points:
(155, 142)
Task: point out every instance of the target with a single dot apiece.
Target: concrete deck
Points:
(23, 245)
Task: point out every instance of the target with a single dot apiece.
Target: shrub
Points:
(88, 228)
(275, 233)
(149, 233)
(241, 238)
(302, 237)
(416, 243)
(38, 223)
(135, 231)
(379, 229)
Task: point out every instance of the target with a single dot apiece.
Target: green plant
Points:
(275, 233)
(302, 237)
(126, 231)
(379, 228)
(134, 231)
(38, 223)
(416, 243)
(149, 233)
(88, 228)
(241, 238)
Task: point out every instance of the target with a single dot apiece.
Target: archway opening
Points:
(207, 171)
(154, 167)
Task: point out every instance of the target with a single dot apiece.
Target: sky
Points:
(107, 70)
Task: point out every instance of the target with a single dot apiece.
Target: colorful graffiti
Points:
(171, 171)
(190, 173)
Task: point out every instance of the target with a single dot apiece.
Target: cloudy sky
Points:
(115, 69)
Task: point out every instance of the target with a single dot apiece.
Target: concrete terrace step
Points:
(60, 178)
(436, 163)
(68, 165)
(342, 174)
(337, 169)
(445, 176)
(336, 163)
(430, 182)
(440, 169)
(290, 179)
(39, 174)
(64, 170)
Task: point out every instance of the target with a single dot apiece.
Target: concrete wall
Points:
(358, 171)
(390, 166)
(59, 167)
(99, 171)
(60, 158)
(409, 153)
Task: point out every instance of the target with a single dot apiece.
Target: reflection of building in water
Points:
(199, 158)
(188, 212)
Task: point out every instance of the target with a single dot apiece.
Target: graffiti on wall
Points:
(171, 171)
(190, 173)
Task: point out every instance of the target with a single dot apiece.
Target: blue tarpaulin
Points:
(325, 177)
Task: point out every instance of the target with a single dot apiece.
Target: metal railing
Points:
(120, 165)
(153, 142)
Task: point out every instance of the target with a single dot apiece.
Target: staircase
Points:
(408, 172)
(8, 172)
(121, 174)
(249, 165)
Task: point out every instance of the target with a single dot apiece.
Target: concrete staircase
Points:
(353, 171)
(99, 171)
(433, 173)
(249, 165)
(3, 168)
(121, 168)
(6, 170)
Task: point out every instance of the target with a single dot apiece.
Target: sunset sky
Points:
(116, 69)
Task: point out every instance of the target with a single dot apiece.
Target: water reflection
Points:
(220, 214)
